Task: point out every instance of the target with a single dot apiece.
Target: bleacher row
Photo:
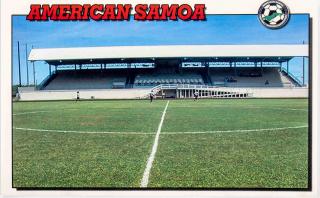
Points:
(68, 80)
(152, 80)
(90, 79)
(269, 77)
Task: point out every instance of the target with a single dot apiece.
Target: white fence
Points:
(28, 95)
(84, 94)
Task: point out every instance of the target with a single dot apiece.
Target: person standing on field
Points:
(151, 96)
(196, 95)
(78, 95)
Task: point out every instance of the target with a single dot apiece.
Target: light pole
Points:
(34, 71)
(27, 64)
(303, 71)
(19, 64)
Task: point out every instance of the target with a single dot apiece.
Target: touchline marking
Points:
(30, 112)
(146, 174)
(85, 132)
(236, 131)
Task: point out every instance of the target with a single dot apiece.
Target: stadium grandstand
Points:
(174, 71)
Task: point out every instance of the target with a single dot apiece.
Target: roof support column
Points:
(180, 67)
(288, 67)
(207, 67)
(49, 70)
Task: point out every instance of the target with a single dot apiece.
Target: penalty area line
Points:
(146, 173)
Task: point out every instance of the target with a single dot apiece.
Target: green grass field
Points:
(223, 143)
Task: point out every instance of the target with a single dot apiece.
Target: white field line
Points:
(245, 107)
(290, 109)
(294, 109)
(46, 111)
(236, 131)
(85, 132)
(30, 112)
(146, 174)
(163, 133)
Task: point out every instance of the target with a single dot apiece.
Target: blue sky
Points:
(217, 29)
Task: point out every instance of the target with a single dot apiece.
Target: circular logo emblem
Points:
(273, 14)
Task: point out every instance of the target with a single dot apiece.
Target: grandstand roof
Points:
(56, 55)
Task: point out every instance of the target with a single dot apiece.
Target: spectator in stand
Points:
(266, 83)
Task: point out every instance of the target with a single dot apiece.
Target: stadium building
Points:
(173, 71)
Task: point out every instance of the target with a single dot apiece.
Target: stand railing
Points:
(297, 80)
(205, 91)
(44, 82)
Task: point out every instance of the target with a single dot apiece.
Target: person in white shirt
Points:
(196, 95)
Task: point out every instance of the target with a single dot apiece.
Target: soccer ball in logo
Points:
(273, 14)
